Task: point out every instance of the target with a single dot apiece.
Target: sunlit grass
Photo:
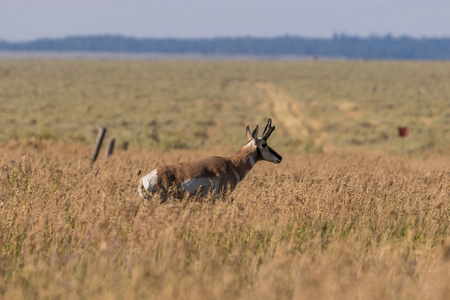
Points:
(345, 215)
(318, 226)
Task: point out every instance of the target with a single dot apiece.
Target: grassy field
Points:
(320, 226)
(317, 106)
(345, 216)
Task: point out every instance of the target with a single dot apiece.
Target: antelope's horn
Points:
(269, 123)
(268, 130)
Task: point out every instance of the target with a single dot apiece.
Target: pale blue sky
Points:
(31, 19)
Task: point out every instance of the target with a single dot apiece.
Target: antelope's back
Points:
(209, 167)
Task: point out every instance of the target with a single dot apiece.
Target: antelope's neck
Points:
(244, 161)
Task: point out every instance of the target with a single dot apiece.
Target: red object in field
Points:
(403, 131)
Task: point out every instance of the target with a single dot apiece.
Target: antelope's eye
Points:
(264, 145)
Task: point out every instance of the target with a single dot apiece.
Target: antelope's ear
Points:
(248, 134)
(255, 133)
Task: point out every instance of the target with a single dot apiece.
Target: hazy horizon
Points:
(220, 37)
(25, 20)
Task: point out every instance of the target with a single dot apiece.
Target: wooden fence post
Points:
(110, 149)
(98, 144)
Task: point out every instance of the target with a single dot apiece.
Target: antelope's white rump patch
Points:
(150, 180)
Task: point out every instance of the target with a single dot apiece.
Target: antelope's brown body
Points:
(213, 174)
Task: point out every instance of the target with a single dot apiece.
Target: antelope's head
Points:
(260, 143)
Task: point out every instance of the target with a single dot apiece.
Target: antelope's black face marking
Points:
(265, 152)
(277, 156)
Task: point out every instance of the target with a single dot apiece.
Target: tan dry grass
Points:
(198, 104)
(322, 226)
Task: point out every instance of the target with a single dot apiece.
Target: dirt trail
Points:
(287, 112)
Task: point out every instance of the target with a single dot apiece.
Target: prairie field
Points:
(316, 105)
(352, 212)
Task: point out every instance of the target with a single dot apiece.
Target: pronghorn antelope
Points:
(213, 174)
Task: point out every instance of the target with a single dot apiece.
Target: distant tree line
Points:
(373, 47)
